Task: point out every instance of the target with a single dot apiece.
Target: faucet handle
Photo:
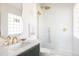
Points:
(9, 40)
(15, 40)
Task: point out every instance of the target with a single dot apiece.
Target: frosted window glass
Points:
(15, 24)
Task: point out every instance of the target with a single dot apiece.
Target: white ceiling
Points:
(16, 5)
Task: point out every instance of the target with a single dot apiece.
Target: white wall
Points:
(29, 16)
(5, 9)
(76, 29)
(63, 20)
(57, 18)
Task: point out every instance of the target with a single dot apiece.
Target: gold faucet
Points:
(12, 40)
(9, 40)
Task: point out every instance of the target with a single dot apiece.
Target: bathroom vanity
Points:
(33, 51)
(28, 48)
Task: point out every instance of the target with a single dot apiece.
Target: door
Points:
(44, 32)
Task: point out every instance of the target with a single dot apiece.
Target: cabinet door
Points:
(34, 51)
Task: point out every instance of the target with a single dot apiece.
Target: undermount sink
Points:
(14, 46)
(18, 45)
(25, 43)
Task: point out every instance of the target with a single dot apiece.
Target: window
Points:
(76, 21)
(15, 24)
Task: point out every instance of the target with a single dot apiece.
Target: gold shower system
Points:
(42, 9)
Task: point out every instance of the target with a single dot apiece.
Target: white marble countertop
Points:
(23, 47)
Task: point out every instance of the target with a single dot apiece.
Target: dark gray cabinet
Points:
(33, 51)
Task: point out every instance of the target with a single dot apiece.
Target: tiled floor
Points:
(44, 54)
(52, 53)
